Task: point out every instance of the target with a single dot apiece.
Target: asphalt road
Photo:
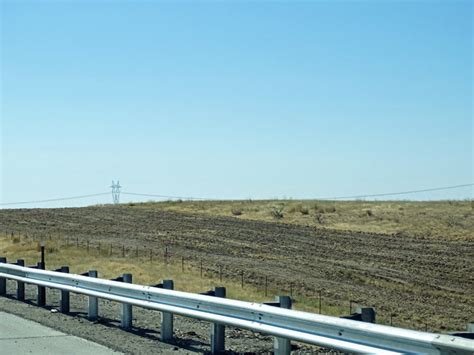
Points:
(21, 336)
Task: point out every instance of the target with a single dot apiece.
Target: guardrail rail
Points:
(285, 324)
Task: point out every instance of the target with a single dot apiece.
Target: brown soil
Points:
(424, 282)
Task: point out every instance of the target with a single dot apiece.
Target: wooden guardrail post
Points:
(93, 311)
(218, 330)
(282, 346)
(65, 304)
(20, 285)
(3, 281)
(166, 317)
(127, 308)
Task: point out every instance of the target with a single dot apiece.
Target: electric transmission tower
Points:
(116, 192)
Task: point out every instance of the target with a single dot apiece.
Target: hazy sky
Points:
(234, 99)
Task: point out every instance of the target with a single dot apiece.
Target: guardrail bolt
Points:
(127, 308)
(20, 285)
(64, 306)
(282, 346)
(93, 312)
(218, 330)
(3, 281)
(166, 317)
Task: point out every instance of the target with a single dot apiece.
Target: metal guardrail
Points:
(331, 332)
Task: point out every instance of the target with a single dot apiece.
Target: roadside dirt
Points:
(192, 336)
(425, 283)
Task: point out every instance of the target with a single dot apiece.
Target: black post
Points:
(41, 296)
(42, 256)
(20, 286)
(3, 281)
(64, 307)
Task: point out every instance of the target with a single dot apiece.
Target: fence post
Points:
(282, 346)
(20, 285)
(266, 286)
(127, 308)
(93, 312)
(3, 281)
(41, 296)
(218, 330)
(64, 307)
(166, 317)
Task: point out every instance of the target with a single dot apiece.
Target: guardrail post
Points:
(218, 330)
(282, 346)
(20, 285)
(64, 306)
(367, 314)
(127, 308)
(166, 317)
(3, 281)
(93, 312)
(41, 296)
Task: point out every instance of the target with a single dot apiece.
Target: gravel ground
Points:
(191, 336)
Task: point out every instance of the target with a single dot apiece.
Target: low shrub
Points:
(304, 210)
(277, 213)
(236, 212)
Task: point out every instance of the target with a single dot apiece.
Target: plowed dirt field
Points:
(423, 282)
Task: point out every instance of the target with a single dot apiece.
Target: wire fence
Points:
(311, 298)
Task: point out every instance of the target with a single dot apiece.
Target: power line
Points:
(319, 198)
(207, 199)
(396, 193)
(53, 199)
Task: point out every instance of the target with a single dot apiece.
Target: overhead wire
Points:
(349, 197)
(53, 199)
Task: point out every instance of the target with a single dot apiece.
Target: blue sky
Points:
(251, 99)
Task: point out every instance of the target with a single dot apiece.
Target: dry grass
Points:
(145, 272)
(440, 219)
